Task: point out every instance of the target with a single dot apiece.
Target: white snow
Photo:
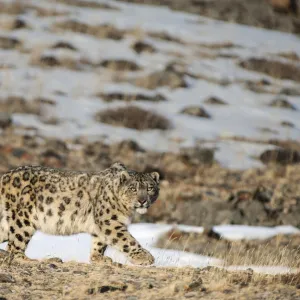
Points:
(77, 247)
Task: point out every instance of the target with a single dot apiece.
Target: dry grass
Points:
(281, 250)
(9, 43)
(133, 117)
(99, 31)
(55, 280)
(273, 68)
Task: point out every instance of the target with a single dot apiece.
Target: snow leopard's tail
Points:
(3, 219)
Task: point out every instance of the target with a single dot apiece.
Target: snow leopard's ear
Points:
(155, 177)
(118, 166)
(124, 176)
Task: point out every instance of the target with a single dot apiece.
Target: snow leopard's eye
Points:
(150, 188)
(132, 188)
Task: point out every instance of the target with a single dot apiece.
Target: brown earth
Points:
(51, 279)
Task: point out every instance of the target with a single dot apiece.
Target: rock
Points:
(49, 61)
(5, 120)
(282, 103)
(6, 278)
(52, 266)
(110, 288)
(9, 42)
(64, 45)
(140, 47)
(289, 91)
(120, 65)
(19, 24)
(52, 159)
(215, 101)
(196, 111)
(55, 260)
(197, 155)
(281, 156)
(287, 124)
(108, 97)
(129, 145)
(253, 212)
(262, 194)
(284, 6)
(190, 295)
(161, 78)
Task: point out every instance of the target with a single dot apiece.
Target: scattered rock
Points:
(106, 289)
(19, 24)
(52, 266)
(287, 124)
(280, 156)
(120, 65)
(131, 97)
(49, 61)
(196, 111)
(276, 69)
(55, 260)
(5, 120)
(6, 278)
(190, 295)
(288, 91)
(52, 159)
(154, 80)
(9, 42)
(263, 194)
(141, 47)
(128, 145)
(197, 155)
(285, 6)
(215, 101)
(282, 103)
(133, 117)
(64, 45)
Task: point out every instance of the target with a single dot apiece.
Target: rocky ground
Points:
(51, 279)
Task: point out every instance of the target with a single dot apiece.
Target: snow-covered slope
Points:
(209, 50)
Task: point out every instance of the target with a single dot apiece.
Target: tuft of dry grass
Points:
(133, 117)
(272, 68)
(100, 31)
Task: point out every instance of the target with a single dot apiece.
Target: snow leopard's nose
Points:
(142, 196)
(142, 200)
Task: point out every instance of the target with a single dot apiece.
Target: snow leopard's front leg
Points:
(117, 235)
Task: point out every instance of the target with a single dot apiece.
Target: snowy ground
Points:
(77, 247)
(74, 90)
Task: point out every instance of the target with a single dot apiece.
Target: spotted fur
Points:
(66, 202)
